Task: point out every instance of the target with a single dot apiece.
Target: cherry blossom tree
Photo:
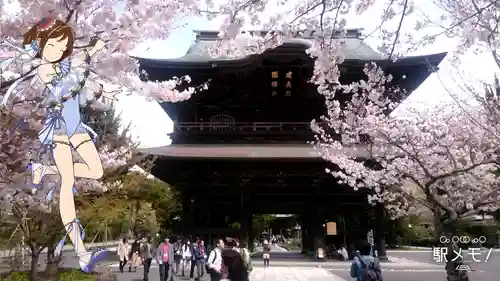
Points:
(122, 31)
(473, 23)
(439, 158)
(34, 216)
(442, 160)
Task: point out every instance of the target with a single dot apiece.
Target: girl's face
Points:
(54, 48)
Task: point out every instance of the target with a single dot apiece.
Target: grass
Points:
(72, 275)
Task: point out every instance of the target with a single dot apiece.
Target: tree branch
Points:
(71, 10)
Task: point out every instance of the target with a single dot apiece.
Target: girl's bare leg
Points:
(91, 168)
(64, 162)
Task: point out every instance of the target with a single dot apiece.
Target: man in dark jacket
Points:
(197, 259)
(146, 256)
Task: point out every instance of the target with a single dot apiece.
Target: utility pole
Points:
(106, 231)
(23, 253)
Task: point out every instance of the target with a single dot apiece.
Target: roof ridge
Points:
(210, 35)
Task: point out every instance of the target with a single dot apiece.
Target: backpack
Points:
(247, 261)
(371, 273)
(197, 253)
(207, 268)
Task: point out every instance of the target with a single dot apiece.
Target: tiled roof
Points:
(354, 48)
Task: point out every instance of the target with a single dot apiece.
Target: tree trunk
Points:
(34, 265)
(52, 260)
(133, 218)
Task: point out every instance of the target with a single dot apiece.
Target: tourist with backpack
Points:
(247, 258)
(232, 267)
(365, 267)
(197, 259)
(214, 261)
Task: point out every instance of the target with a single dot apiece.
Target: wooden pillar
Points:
(306, 226)
(317, 214)
(245, 215)
(251, 235)
(187, 214)
(380, 229)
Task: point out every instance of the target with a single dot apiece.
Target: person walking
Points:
(165, 259)
(233, 268)
(232, 243)
(197, 259)
(177, 248)
(186, 256)
(122, 251)
(134, 256)
(266, 253)
(247, 258)
(364, 264)
(214, 261)
(146, 256)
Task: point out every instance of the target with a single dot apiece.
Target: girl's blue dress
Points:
(63, 98)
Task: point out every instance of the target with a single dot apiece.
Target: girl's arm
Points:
(46, 73)
(82, 57)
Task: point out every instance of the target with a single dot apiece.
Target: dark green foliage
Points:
(64, 275)
(107, 126)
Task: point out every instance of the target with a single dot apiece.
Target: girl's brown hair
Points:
(40, 33)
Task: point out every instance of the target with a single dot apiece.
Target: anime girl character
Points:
(67, 85)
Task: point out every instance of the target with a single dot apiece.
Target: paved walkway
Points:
(296, 259)
(293, 274)
(258, 274)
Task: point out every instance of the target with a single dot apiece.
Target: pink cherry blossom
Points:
(140, 21)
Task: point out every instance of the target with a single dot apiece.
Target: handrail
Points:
(238, 124)
(246, 123)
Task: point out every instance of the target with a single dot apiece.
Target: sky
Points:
(144, 116)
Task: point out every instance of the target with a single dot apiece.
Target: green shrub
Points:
(17, 276)
(75, 275)
(72, 275)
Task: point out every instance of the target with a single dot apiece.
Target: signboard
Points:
(331, 228)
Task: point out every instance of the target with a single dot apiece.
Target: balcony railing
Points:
(242, 127)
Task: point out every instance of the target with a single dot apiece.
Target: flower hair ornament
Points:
(46, 23)
(32, 49)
